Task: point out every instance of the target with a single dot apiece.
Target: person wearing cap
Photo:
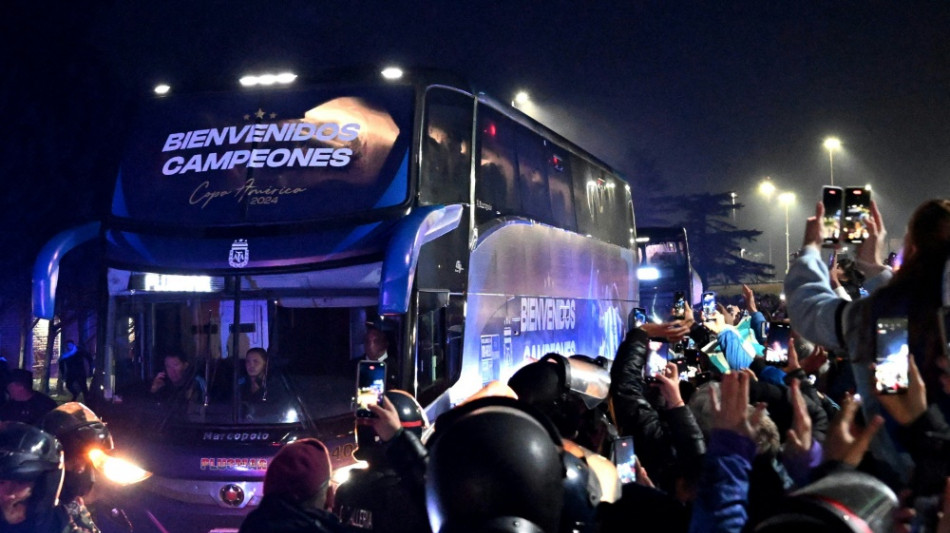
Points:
(24, 404)
(296, 493)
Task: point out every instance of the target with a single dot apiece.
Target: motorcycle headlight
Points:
(117, 470)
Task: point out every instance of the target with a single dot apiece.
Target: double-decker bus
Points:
(290, 217)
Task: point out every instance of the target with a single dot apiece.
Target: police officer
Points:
(80, 431)
(389, 495)
(31, 473)
(495, 466)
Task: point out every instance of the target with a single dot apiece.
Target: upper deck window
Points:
(266, 157)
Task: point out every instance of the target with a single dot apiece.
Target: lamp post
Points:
(831, 144)
(787, 199)
(767, 189)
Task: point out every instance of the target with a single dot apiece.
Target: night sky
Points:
(678, 96)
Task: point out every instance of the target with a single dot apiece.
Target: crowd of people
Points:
(722, 437)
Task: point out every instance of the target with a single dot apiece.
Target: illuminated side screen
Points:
(266, 157)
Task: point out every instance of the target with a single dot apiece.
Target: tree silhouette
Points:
(714, 242)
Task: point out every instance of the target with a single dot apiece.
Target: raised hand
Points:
(669, 383)
(386, 422)
(905, 408)
(813, 227)
(846, 442)
(731, 409)
(799, 435)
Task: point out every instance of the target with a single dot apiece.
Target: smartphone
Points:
(857, 210)
(832, 258)
(776, 344)
(832, 198)
(682, 369)
(656, 360)
(709, 304)
(679, 305)
(639, 316)
(890, 371)
(625, 459)
(370, 385)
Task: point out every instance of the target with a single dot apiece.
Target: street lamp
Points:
(787, 199)
(520, 99)
(831, 144)
(767, 189)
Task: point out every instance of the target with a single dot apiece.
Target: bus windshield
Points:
(194, 358)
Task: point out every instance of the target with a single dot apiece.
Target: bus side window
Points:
(446, 152)
(532, 177)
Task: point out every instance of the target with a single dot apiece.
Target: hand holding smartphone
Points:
(891, 356)
(639, 316)
(776, 344)
(625, 459)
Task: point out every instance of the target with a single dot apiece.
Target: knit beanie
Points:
(299, 470)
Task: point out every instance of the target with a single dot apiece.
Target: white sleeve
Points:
(812, 306)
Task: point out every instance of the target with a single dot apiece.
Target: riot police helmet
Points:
(494, 466)
(78, 429)
(30, 454)
(411, 415)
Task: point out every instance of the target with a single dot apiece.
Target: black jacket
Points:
(667, 443)
(389, 496)
(280, 515)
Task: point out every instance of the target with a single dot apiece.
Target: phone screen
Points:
(370, 385)
(709, 304)
(890, 371)
(679, 305)
(857, 212)
(625, 459)
(657, 358)
(639, 316)
(776, 344)
(832, 198)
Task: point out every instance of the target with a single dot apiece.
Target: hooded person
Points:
(297, 492)
(388, 495)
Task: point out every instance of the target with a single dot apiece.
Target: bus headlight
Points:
(116, 470)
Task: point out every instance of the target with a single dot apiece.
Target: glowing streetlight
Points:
(787, 199)
(520, 99)
(831, 144)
